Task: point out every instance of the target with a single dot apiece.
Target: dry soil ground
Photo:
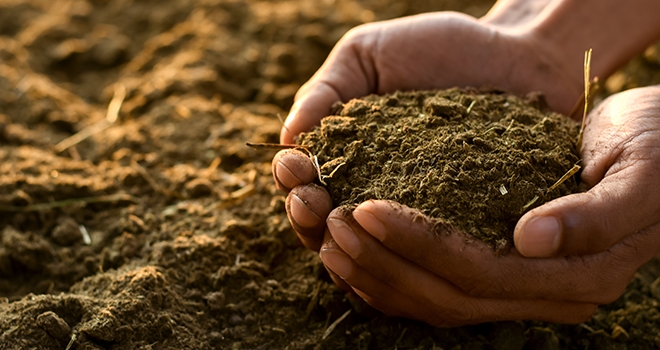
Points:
(189, 246)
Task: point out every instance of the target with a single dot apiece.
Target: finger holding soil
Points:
(307, 207)
(292, 168)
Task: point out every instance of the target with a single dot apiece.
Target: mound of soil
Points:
(473, 160)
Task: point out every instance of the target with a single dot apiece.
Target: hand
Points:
(434, 51)
(520, 49)
(399, 262)
(520, 45)
(437, 50)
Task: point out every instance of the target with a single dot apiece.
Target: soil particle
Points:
(53, 325)
(66, 232)
(475, 160)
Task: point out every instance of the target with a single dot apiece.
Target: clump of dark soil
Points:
(476, 160)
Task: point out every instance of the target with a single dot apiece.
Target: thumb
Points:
(313, 102)
(586, 223)
(348, 72)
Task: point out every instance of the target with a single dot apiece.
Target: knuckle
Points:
(453, 313)
(475, 287)
(358, 32)
(480, 284)
(465, 313)
(362, 38)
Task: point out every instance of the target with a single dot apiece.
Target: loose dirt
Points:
(472, 159)
(187, 244)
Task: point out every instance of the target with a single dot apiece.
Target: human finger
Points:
(329, 244)
(292, 168)
(591, 222)
(478, 271)
(307, 207)
(622, 165)
(388, 281)
(380, 295)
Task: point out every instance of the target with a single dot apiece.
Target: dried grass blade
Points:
(110, 118)
(334, 324)
(587, 86)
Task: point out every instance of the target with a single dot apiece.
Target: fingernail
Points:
(301, 213)
(370, 224)
(345, 237)
(540, 237)
(338, 262)
(285, 177)
(285, 135)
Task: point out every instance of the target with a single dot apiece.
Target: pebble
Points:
(52, 324)
(235, 319)
(199, 188)
(66, 233)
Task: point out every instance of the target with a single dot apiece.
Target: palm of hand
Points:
(430, 51)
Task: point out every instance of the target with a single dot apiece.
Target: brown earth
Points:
(473, 160)
(188, 243)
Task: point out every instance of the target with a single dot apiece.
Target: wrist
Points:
(513, 13)
(615, 30)
(535, 64)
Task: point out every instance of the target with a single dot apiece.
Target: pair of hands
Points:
(571, 255)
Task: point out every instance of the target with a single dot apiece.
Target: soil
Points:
(475, 160)
(162, 230)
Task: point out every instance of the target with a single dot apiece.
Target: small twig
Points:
(85, 235)
(587, 85)
(69, 202)
(278, 329)
(334, 324)
(140, 169)
(314, 300)
(258, 145)
(585, 326)
(508, 127)
(152, 182)
(529, 204)
(281, 146)
(73, 152)
(115, 103)
(565, 177)
(110, 118)
(214, 165)
(332, 173)
(82, 135)
(73, 340)
(398, 340)
(472, 104)
(318, 170)
(242, 192)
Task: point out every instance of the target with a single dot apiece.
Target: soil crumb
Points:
(473, 159)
